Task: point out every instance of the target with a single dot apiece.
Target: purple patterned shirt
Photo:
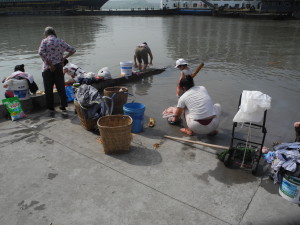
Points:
(52, 49)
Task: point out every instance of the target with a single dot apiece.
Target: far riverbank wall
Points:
(235, 13)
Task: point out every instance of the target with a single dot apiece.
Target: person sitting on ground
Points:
(201, 116)
(141, 55)
(19, 74)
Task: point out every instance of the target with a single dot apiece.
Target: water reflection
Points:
(22, 35)
(229, 42)
(142, 86)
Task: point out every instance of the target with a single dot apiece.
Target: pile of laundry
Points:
(285, 159)
(90, 77)
(90, 101)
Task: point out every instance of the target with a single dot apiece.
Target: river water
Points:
(238, 54)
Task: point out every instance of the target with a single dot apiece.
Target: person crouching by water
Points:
(20, 78)
(202, 117)
(52, 51)
(74, 71)
(78, 75)
(141, 55)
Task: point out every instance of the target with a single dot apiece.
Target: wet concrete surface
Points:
(54, 171)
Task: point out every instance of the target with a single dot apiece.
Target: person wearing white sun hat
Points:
(182, 65)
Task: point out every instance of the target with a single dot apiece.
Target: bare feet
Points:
(186, 131)
(213, 133)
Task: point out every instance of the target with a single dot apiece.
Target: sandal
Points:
(186, 131)
(174, 122)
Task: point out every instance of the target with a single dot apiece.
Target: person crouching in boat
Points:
(202, 117)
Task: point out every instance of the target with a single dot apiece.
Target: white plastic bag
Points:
(89, 75)
(104, 73)
(252, 107)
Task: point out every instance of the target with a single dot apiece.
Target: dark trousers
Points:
(57, 78)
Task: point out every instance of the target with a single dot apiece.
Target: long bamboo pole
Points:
(198, 143)
(197, 70)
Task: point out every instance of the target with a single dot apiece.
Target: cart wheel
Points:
(227, 160)
(255, 163)
(254, 167)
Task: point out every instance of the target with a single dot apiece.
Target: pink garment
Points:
(20, 74)
(52, 49)
(169, 112)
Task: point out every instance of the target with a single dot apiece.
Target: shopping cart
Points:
(246, 152)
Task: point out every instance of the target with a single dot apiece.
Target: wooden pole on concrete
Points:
(198, 143)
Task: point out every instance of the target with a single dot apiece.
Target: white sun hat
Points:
(180, 62)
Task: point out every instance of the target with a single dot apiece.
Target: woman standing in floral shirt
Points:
(52, 51)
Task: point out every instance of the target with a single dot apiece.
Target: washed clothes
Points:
(20, 75)
(91, 102)
(287, 157)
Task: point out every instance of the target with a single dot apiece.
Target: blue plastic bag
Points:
(69, 93)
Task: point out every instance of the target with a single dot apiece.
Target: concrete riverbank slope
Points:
(54, 171)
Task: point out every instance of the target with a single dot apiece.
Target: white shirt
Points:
(198, 102)
(73, 70)
(187, 72)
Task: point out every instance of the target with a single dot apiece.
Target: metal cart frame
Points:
(255, 156)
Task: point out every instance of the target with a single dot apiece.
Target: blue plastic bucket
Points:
(136, 112)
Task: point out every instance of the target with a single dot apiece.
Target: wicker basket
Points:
(86, 123)
(119, 99)
(115, 131)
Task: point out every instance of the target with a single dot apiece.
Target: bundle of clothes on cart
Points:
(285, 159)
